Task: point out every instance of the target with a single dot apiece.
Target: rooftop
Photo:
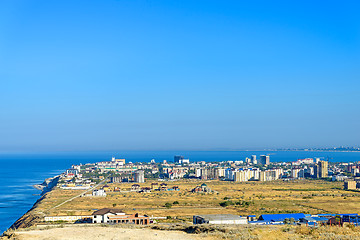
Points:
(281, 217)
(211, 217)
(107, 210)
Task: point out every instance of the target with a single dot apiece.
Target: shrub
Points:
(168, 205)
(176, 202)
(226, 203)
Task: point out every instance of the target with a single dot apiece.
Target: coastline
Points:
(47, 185)
(29, 218)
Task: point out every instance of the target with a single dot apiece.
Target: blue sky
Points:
(165, 75)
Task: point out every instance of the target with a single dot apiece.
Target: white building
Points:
(229, 174)
(102, 215)
(297, 173)
(73, 171)
(253, 159)
(354, 171)
(339, 178)
(256, 174)
(264, 159)
(139, 176)
(99, 193)
(198, 172)
(66, 218)
(219, 219)
(185, 161)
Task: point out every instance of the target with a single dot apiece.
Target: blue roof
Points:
(252, 216)
(281, 217)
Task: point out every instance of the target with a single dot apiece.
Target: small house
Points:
(102, 215)
(146, 190)
(135, 187)
(163, 187)
(107, 188)
(154, 186)
(129, 219)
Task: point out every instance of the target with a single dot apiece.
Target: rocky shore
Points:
(47, 185)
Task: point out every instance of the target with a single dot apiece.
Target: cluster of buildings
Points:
(113, 216)
(352, 177)
(279, 219)
(203, 188)
(251, 169)
(105, 215)
(154, 187)
(306, 168)
(117, 216)
(81, 177)
(102, 192)
(72, 179)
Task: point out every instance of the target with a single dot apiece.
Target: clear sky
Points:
(165, 75)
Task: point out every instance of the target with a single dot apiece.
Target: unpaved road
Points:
(97, 233)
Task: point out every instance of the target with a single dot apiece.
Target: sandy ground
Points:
(97, 233)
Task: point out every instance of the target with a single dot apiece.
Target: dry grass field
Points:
(307, 196)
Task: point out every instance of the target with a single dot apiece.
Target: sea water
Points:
(19, 172)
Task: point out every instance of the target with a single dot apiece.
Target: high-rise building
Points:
(139, 176)
(323, 169)
(204, 173)
(297, 173)
(219, 172)
(264, 159)
(197, 172)
(253, 159)
(178, 159)
(349, 185)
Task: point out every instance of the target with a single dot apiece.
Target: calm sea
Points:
(18, 172)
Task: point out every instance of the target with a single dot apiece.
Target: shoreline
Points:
(27, 219)
(47, 185)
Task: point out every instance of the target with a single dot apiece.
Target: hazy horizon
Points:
(160, 75)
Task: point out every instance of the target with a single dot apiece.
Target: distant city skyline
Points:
(178, 75)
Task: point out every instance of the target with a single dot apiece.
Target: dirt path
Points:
(83, 193)
(100, 233)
